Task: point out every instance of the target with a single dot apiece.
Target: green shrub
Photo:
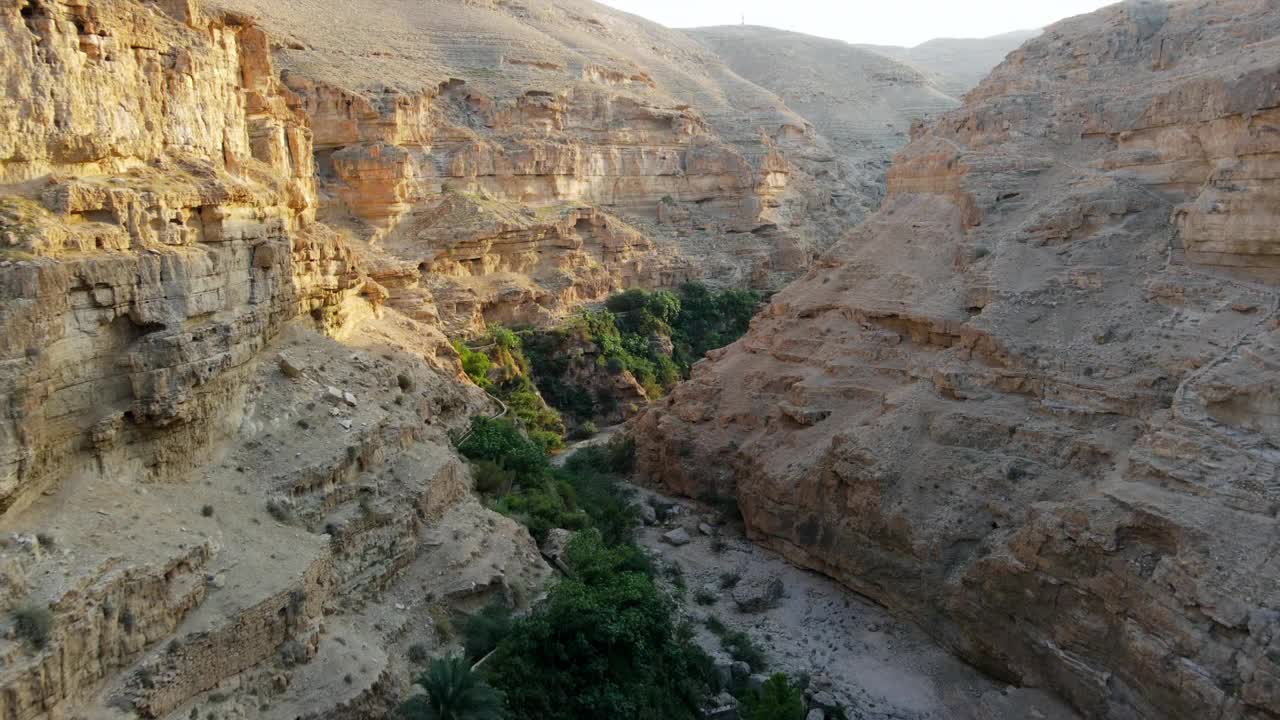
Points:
(492, 478)
(453, 692)
(738, 644)
(475, 364)
(33, 622)
(776, 699)
(485, 630)
(604, 644)
(583, 431)
(551, 503)
(502, 442)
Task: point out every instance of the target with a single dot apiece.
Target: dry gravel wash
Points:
(879, 667)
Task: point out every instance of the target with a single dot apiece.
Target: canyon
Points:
(1028, 405)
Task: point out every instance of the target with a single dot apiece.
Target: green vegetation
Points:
(503, 370)
(776, 699)
(738, 644)
(604, 644)
(453, 692)
(485, 630)
(33, 622)
(513, 472)
(654, 335)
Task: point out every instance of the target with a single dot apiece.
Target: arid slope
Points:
(956, 65)
(862, 102)
(1032, 401)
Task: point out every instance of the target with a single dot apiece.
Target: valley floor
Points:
(877, 666)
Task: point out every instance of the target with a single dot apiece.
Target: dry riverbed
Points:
(877, 667)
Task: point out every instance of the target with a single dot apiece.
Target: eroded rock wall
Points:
(222, 458)
(550, 109)
(1029, 402)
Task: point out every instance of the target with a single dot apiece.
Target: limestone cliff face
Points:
(1031, 402)
(193, 469)
(517, 118)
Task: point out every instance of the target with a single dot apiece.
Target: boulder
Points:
(758, 595)
(290, 366)
(824, 700)
(554, 546)
(676, 537)
(648, 515)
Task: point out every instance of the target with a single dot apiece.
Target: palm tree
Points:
(454, 692)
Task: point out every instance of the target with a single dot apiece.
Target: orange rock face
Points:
(1031, 403)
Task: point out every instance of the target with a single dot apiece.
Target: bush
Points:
(491, 478)
(453, 692)
(405, 382)
(584, 431)
(705, 596)
(551, 503)
(604, 644)
(207, 511)
(485, 630)
(280, 510)
(502, 442)
(33, 622)
(475, 364)
(738, 644)
(776, 699)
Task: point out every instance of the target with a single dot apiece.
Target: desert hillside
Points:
(335, 337)
(1032, 401)
(862, 102)
(242, 245)
(441, 124)
(956, 65)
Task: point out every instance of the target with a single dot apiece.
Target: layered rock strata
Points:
(1030, 403)
(520, 115)
(225, 470)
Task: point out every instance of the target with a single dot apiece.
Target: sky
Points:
(881, 22)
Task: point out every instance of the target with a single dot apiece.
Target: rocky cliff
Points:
(221, 456)
(862, 102)
(1031, 403)
(509, 161)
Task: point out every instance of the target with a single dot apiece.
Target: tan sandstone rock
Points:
(1030, 403)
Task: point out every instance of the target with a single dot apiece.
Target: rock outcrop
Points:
(1031, 403)
(581, 150)
(224, 463)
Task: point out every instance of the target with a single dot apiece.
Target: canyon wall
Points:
(510, 161)
(234, 237)
(1031, 403)
(226, 475)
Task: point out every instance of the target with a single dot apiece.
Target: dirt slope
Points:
(957, 65)
(862, 102)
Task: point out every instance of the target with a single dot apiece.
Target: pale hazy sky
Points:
(883, 22)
